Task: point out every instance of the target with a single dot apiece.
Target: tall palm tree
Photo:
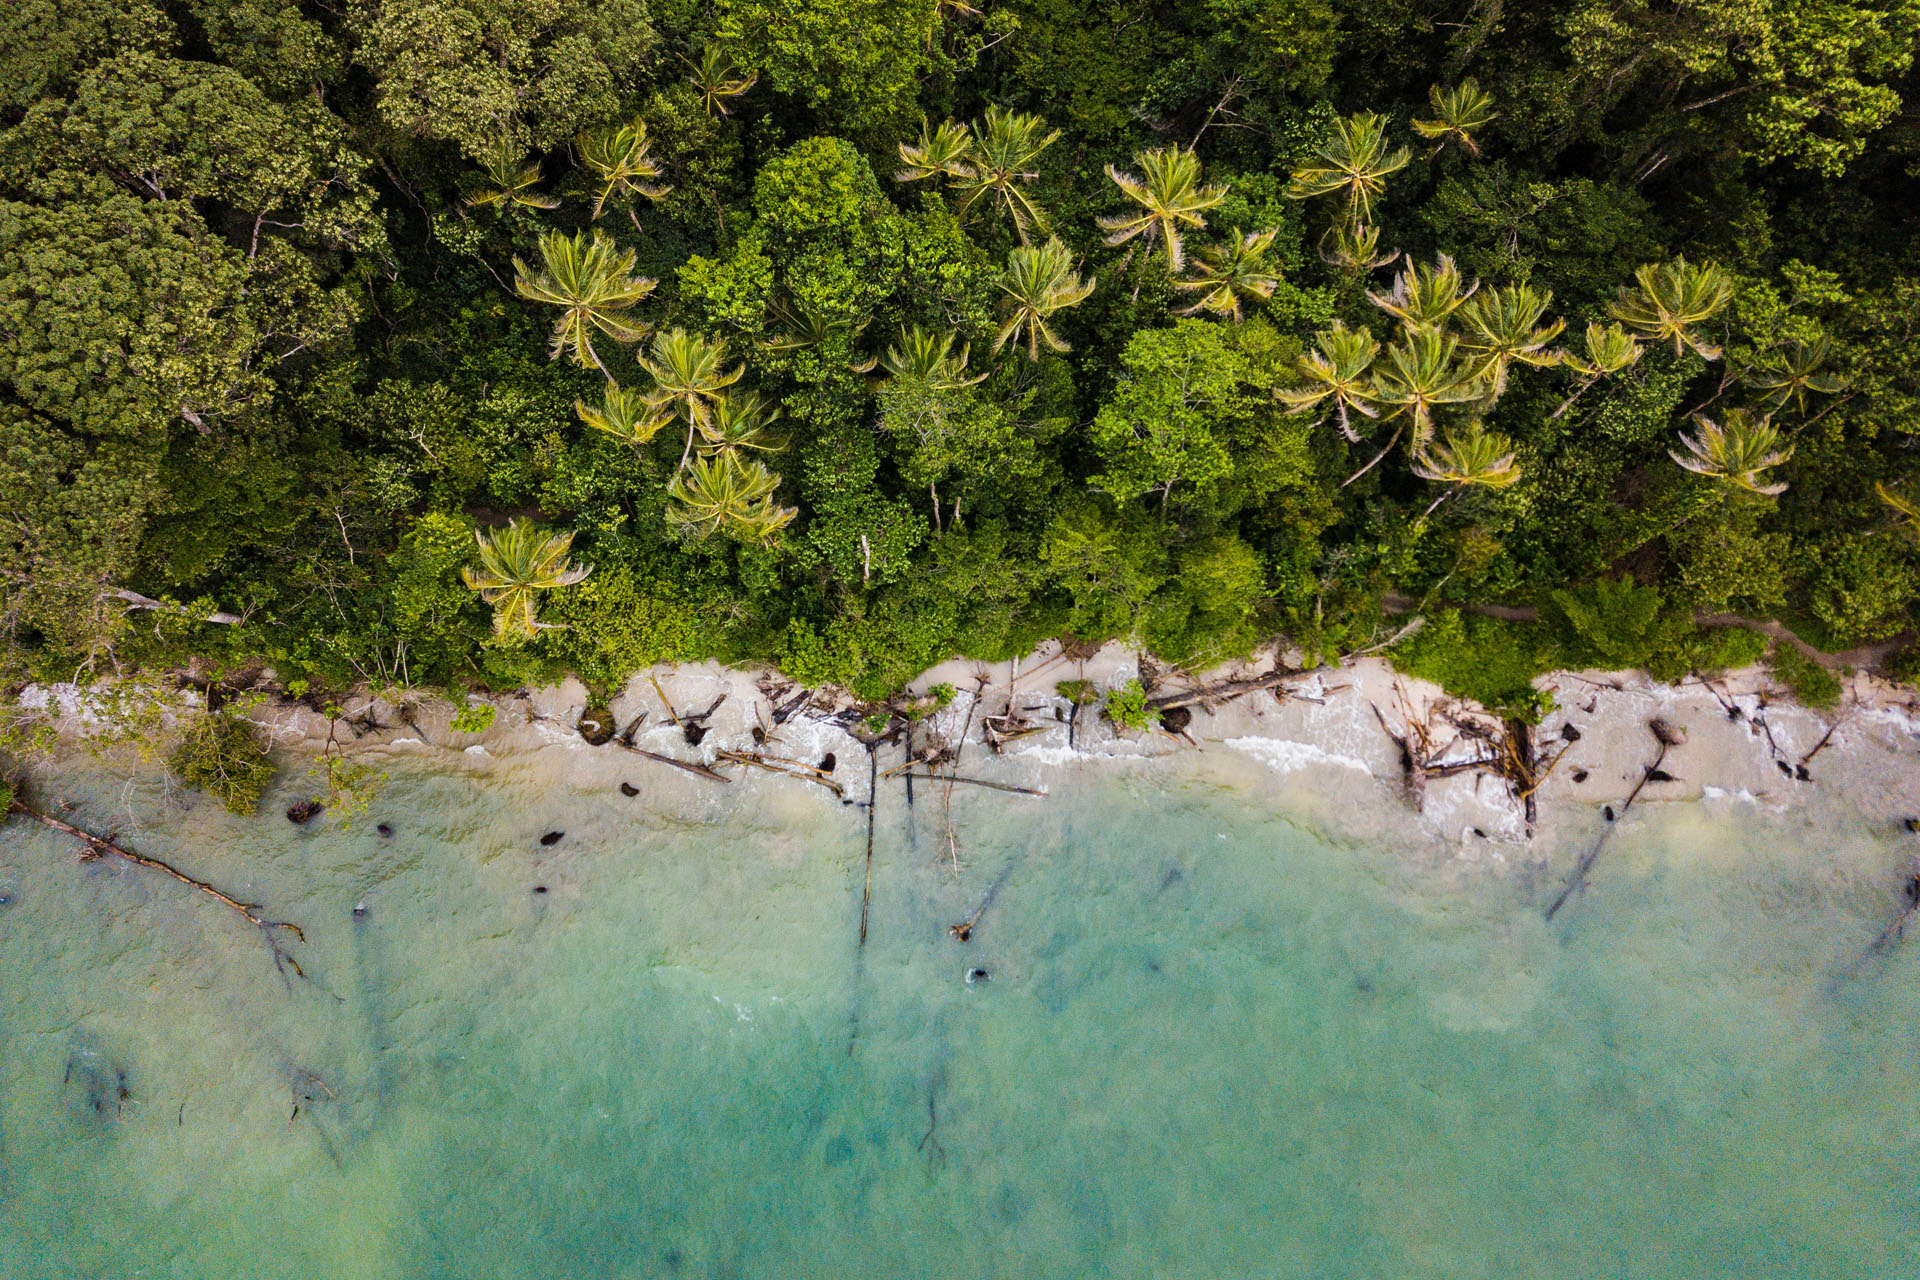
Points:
(1000, 165)
(627, 414)
(741, 422)
(1355, 162)
(1354, 246)
(1906, 512)
(688, 372)
(509, 178)
(1465, 459)
(1735, 450)
(1227, 274)
(591, 281)
(516, 563)
(942, 152)
(1170, 197)
(1419, 375)
(1423, 297)
(1503, 329)
(1458, 114)
(718, 79)
(925, 357)
(621, 156)
(1674, 299)
(1610, 349)
(1337, 372)
(726, 491)
(1039, 281)
(1796, 369)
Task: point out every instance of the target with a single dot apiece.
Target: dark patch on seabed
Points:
(367, 945)
(94, 1088)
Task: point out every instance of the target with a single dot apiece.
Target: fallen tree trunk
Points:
(950, 778)
(98, 847)
(788, 768)
(687, 766)
(1225, 691)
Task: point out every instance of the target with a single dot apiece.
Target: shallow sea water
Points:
(1234, 1024)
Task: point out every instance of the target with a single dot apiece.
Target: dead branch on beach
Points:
(1211, 696)
(782, 765)
(687, 766)
(98, 847)
(951, 778)
(1668, 737)
(1504, 749)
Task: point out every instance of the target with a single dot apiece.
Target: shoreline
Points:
(1330, 730)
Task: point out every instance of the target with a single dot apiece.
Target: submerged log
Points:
(951, 778)
(686, 766)
(97, 847)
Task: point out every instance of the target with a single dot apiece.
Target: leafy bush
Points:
(1127, 707)
(475, 717)
(1489, 660)
(1812, 685)
(225, 756)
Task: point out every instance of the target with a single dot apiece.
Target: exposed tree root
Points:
(1668, 738)
(96, 847)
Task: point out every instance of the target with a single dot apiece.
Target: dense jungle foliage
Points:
(472, 342)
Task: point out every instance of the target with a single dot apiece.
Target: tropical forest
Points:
(469, 344)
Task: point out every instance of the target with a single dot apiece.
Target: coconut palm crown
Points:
(1737, 450)
(1672, 301)
(1170, 195)
(621, 157)
(1039, 281)
(1355, 162)
(517, 563)
(1228, 274)
(591, 281)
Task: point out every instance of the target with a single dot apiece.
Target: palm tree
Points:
(941, 152)
(1794, 370)
(1735, 451)
(1424, 297)
(741, 422)
(516, 563)
(1337, 372)
(1610, 349)
(1038, 282)
(1226, 274)
(1503, 329)
(509, 179)
(1673, 300)
(1419, 375)
(803, 327)
(1006, 146)
(687, 372)
(1906, 512)
(591, 281)
(718, 79)
(1355, 161)
(1465, 459)
(626, 414)
(726, 491)
(621, 156)
(1169, 195)
(1457, 115)
(1354, 246)
(928, 358)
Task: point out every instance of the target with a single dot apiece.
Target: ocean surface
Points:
(1227, 1022)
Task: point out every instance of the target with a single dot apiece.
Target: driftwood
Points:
(96, 847)
(951, 778)
(1212, 695)
(782, 765)
(1668, 738)
(866, 888)
(963, 932)
(687, 766)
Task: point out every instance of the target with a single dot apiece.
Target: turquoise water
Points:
(1231, 1027)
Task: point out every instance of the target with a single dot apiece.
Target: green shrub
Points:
(1489, 660)
(226, 757)
(475, 717)
(1127, 707)
(1812, 685)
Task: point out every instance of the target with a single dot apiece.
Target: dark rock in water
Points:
(828, 763)
(1363, 985)
(695, 734)
(1173, 877)
(386, 831)
(1477, 831)
(596, 726)
(1568, 733)
(1607, 813)
(1579, 775)
(1660, 775)
(1800, 773)
(552, 838)
(539, 888)
(977, 975)
(628, 789)
(304, 811)
(360, 910)
(673, 1259)
(1911, 892)
(96, 1090)
(1176, 719)
(1911, 824)
(6, 898)
(1784, 767)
